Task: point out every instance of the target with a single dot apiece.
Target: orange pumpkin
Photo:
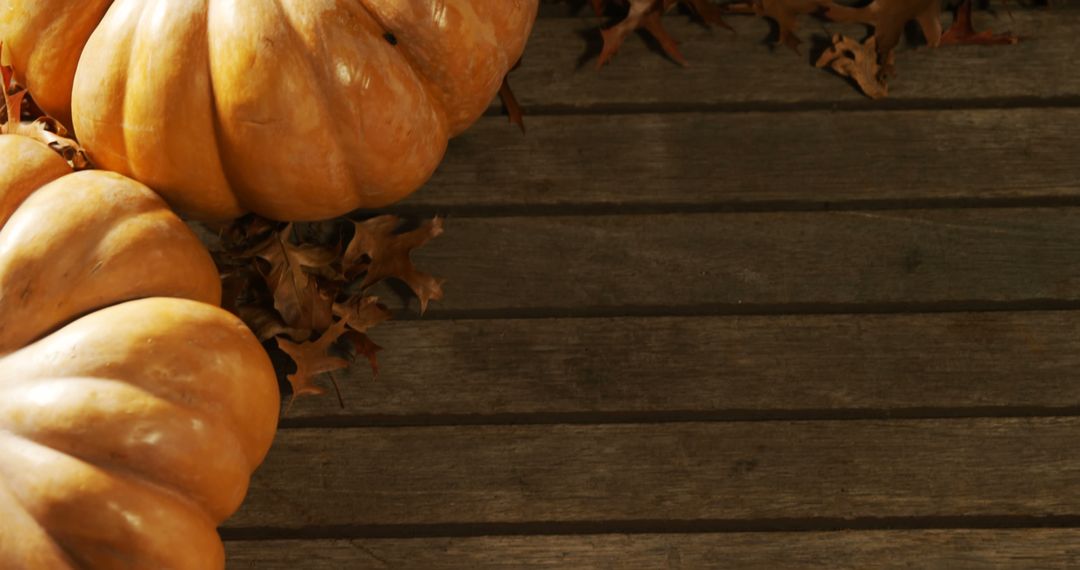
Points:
(292, 109)
(132, 410)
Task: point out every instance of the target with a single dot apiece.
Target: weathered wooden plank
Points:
(742, 471)
(1044, 549)
(777, 262)
(740, 69)
(758, 160)
(722, 367)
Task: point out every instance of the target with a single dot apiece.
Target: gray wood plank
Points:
(1044, 549)
(717, 367)
(558, 69)
(737, 472)
(776, 262)
(757, 161)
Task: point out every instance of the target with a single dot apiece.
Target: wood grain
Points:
(776, 262)
(1043, 549)
(718, 367)
(741, 70)
(736, 472)
(797, 160)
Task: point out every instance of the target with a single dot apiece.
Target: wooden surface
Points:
(732, 315)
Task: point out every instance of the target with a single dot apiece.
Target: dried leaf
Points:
(385, 254)
(646, 15)
(643, 14)
(888, 18)
(298, 296)
(361, 313)
(510, 103)
(6, 72)
(859, 61)
(313, 358)
(785, 13)
(266, 323)
(363, 346)
(709, 13)
(961, 31)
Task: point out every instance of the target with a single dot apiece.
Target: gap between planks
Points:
(757, 162)
(769, 474)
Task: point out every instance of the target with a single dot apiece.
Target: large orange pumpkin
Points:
(132, 410)
(293, 109)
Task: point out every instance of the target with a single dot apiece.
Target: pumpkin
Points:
(132, 409)
(292, 109)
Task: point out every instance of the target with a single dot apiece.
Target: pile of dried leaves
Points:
(869, 63)
(20, 116)
(307, 285)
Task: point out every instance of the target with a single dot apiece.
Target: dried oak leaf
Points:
(510, 102)
(643, 14)
(784, 12)
(313, 358)
(266, 323)
(381, 253)
(962, 32)
(646, 14)
(298, 295)
(888, 18)
(363, 346)
(361, 313)
(859, 61)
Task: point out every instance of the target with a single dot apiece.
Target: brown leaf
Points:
(709, 13)
(386, 254)
(643, 14)
(859, 61)
(961, 31)
(363, 346)
(6, 72)
(785, 13)
(510, 103)
(313, 358)
(298, 296)
(362, 312)
(888, 18)
(37, 126)
(266, 323)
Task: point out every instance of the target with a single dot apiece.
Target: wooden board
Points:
(741, 71)
(757, 161)
(408, 481)
(1042, 549)
(622, 369)
(728, 315)
(752, 263)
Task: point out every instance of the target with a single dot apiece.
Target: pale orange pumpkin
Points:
(292, 109)
(132, 409)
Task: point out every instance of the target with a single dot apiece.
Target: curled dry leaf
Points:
(36, 126)
(859, 61)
